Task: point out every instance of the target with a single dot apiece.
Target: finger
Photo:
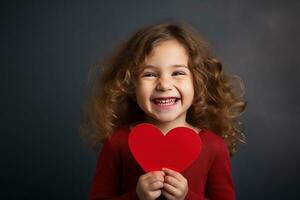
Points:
(160, 173)
(171, 189)
(145, 176)
(155, 194)
(153, 174)
(156, 185)
(173, 181)
(173, 173)
(167, 195)
(154, 177)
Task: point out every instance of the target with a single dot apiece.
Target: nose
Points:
(164, 84)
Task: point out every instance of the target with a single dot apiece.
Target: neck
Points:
(165, 127)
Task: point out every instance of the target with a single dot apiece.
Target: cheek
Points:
(188, 87)
(190, 92)
(140, 98)
(139, 94)
(143, 91)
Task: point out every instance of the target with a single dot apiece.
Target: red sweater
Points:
(117, 172)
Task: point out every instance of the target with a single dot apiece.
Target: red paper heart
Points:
(152, 150)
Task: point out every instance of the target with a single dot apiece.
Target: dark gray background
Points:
(47, 48)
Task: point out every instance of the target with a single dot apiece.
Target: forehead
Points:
(171, 67)
(168, 52)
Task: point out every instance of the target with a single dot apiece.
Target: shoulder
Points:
(120, 133)
(213, 142)
(211, 137)
(119, 137)
(114, 146)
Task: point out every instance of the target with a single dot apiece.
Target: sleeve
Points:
(106, 180)
(193, 196)
(219, 185)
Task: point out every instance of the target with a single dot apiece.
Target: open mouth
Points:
(168, 101)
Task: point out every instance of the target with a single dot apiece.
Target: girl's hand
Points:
(149, 185)
(175, 185)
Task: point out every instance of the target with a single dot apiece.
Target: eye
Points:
(178, 73)
(149, 74)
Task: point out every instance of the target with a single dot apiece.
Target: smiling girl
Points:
(164, 89)
(164, 75)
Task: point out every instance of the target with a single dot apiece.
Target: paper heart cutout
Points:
(152, 150)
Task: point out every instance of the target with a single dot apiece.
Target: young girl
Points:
(164, 75)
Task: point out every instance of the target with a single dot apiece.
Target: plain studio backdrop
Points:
(47, 48)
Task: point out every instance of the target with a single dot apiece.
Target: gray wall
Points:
(47, 47)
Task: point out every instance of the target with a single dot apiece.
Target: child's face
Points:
(165, 86)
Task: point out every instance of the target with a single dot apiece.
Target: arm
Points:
(193, 196)
(106, 181)
(219, 185)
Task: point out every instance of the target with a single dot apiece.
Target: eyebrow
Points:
(153, 66)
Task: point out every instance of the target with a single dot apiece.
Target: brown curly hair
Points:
(110, 103)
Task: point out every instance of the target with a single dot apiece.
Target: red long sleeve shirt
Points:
(117, 172)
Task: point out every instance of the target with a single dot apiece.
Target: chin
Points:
(164, 118)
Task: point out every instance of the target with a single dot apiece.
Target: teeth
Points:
(165, 101)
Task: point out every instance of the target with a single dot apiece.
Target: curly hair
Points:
(110, 102)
